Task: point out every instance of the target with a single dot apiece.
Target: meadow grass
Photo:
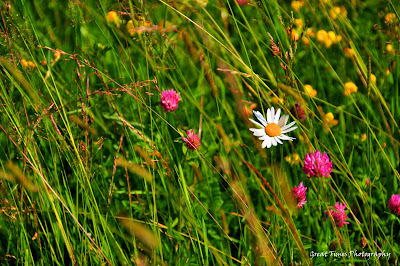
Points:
(95, 172)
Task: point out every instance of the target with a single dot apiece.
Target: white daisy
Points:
(273, 129)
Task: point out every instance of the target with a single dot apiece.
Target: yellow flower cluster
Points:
(327, 119)
(30, 64)
(113, 17)
(338, 11)
(328, 38)
(363, 137)
(310, 32)
(348, 52)
(330, 120)
(141, 22)
(27, 64)
(309, 90)
(277, 100)
(390, 17)
(349, 88)
(130, 27)
(293, 159)
(297, 5)
(390, 49)
(295, 34)
(373, 78)
(299, 23)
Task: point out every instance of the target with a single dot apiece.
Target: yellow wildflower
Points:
(305, 41)
(338, 39)
(310, 32)
(299, 22)
(373, 78)
(330, 120)
(348, 52)
(334, 12)
(295, 35)
(390, 17)
(309, 90)
(321, 36)
(24, 63)
(327, 119)
(31, 64)
(363, 137)
(130, 27)
(143, 22)
(297, 5)
(328, 38)
(293, 159)
(337, 11)
(389, 48)
(113, 17)
(331, 35)
(349, 88)
(328, 43)
(277, 100)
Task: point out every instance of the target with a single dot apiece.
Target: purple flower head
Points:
(192, 141)
(242, 2)
(316, 164)
(394, 204)
(169, 100)
(339, 214)
(299, 112)
(300, 195)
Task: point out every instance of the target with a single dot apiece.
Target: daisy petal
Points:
(278, 113)
(274, 141)
(288, 125)
(285, 137)
(272, 115)
(258, 124)
(288, 130)
(260, 117)
(269, 142)
(259, 132)
(269, 116)
(264, 144)
(282, 122)
(278, 140)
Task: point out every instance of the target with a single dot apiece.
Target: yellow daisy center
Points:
(273, 130)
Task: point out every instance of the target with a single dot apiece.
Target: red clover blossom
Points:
(169, 100)
(317, 165)
(339, 214)
(394, 204)
(300, 195)
(192, 141)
